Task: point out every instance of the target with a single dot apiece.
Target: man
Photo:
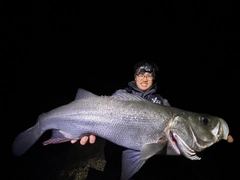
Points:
(143, 85)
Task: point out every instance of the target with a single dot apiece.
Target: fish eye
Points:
(205, 121)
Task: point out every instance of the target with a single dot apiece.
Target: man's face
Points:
(144, 81)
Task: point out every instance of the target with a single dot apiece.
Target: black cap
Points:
(146, 66)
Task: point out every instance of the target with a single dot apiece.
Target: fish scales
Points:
(101, 118)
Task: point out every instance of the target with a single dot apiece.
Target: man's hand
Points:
(85, 139)
(230, 139)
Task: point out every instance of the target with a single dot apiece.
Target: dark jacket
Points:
(113, 152)
(150, 94)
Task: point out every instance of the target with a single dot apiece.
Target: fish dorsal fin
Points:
(82, 94)
(127, 96)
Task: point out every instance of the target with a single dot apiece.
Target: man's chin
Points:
(144, 88)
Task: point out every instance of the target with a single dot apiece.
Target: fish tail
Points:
(25, 140)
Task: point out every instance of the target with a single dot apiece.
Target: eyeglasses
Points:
(148, 76)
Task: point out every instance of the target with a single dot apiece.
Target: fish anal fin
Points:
(55, 141)
(57, 137)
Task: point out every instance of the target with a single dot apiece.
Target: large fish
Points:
(144, 128)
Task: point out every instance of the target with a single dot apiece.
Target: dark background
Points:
(51, 48)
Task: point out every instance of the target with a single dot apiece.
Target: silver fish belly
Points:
(143, 127)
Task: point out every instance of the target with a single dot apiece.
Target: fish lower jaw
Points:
(182, 148)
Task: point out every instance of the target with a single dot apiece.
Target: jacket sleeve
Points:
(165, 102)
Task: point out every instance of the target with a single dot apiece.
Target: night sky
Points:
(51, 48)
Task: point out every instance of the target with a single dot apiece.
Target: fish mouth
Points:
(182, 148)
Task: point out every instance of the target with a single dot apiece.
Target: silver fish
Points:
(143, 127)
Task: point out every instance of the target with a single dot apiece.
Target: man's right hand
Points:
(85, 139)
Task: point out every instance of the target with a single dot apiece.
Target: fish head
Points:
(190, 133)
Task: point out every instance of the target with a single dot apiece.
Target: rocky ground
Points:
(64, 161)
(90, 157)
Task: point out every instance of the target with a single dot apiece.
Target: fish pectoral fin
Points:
(56, 138)
(152, 149)
(131, 163)
(133, 160)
